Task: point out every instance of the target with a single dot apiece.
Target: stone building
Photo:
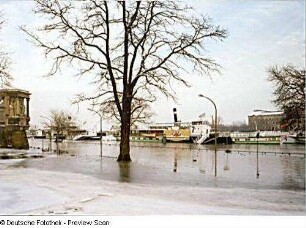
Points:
(14, 118)
(263, 120)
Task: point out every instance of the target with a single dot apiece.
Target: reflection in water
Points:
(50, 144)
(257, 162)
(175, 162)
(226, 164)
(42, 145)
(291, 178)
(216, 166)
(21, 164)
(195, 155)
(212, 159)
(159, 163)
(101, 166)
(257, 165)
(202, 164)
(124, 171)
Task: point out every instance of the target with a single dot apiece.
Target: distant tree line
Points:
(235, 126)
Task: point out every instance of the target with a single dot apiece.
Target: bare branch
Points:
(5, 63)
(289, 93)
(131, 49)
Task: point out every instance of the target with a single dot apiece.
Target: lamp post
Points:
(200, 95)
(50, 132)
(100, 129)
(257, 168)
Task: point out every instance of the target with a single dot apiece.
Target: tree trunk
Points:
(124, 155)
(56, 143)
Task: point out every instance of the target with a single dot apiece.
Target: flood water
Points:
(277, 166)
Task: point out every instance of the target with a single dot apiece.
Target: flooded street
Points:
(185, 172)
(155, 163)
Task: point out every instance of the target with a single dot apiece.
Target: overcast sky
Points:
(261, 34)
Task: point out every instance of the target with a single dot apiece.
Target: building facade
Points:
(263, 120)
(14, 118)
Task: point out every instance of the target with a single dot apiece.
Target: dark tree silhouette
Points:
(132, 49)
(289, 94)
(141, 111)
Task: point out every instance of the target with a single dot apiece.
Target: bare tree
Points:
(5, 62)
(134, 49)
(59, 122)
(141, 111)
(289, 82)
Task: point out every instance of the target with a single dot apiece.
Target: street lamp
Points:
(100, 129)
(200, 95)
(50, 131)
(257, 168)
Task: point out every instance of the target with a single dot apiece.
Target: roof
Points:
(265, 113)
(14, 90)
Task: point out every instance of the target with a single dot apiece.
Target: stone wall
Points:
(3, 143)
(13, 138)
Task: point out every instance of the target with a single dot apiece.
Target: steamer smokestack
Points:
(175, 115)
